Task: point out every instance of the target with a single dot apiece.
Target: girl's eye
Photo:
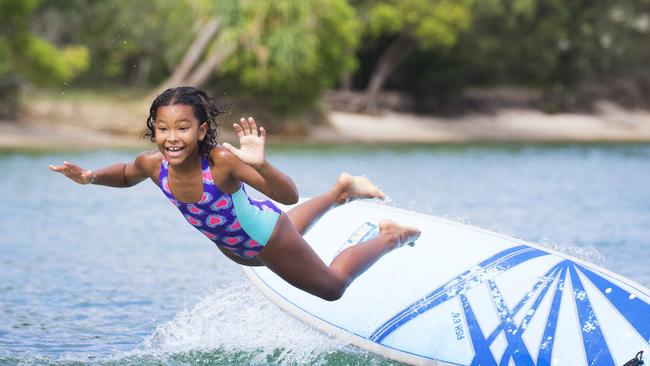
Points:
(184, 128)
(162, 129)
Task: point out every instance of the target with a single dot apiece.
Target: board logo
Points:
(564, 276)
(458, 326)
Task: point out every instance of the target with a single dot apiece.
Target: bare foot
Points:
(400, 234)
(356, 187)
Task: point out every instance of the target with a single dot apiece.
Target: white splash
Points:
(587, 253)
(239, 319)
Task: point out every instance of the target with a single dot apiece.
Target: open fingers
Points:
(245, 126)
(71, 168)
(55, 168)
(253, 126)
(262, 133)
(60, 168)
(66, 168)
(238, 130)
(249, 126)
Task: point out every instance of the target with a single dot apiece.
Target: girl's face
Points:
(178, 132)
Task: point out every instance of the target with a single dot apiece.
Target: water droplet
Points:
(632, 297)
(608, 290)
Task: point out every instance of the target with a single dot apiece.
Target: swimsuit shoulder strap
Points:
(208, 182)
(205, 172)
(163, 180)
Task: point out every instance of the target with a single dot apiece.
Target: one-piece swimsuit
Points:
(232, 221)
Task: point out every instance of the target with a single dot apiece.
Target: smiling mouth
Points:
(174, 150)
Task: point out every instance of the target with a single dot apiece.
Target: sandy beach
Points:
(507, 125)
(609, 124)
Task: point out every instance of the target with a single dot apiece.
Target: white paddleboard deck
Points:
(466, 296)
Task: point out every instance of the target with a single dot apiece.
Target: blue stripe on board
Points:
(519, 352)
(546, 281)
(548, 338)
(482, 353)
(538, 300)
(635, 310)
(596, 348)
(325, 321)
(500, 262)
(552, 275)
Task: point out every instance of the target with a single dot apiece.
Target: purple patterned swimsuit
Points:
(232, 221)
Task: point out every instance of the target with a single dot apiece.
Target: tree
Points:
(554, 45)
(285, 52)
(132, 43)
(290, 51)
(23, 55)
(410, 24)
(187, 72)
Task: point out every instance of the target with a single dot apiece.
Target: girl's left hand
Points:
(74, 172)
(251, 142)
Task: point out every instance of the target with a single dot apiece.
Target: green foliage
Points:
(554, 45)
(5, 52)
(41, 62)
(290, 51)
(433, 24)
(24, 54)
(550, 42)
(132, 42)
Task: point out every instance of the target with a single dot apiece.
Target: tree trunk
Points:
(142, 72)
(346, 81)
(191, 57)
(203, 72)
(389, 60)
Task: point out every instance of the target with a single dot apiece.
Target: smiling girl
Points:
(205, 181)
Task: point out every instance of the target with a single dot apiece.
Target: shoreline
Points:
(517, 125)
(610, 124)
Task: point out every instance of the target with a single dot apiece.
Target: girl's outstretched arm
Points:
(115, 175)
(256, 170)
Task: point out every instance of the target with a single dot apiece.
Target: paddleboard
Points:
(467, 296)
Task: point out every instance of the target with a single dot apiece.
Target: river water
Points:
(97, 275)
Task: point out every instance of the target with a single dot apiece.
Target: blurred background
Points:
(97, 64)
(527, 117)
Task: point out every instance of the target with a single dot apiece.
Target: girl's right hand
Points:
(74, 172)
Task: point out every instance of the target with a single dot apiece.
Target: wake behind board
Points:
(466, 296)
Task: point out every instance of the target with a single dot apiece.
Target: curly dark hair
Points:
(205, 110)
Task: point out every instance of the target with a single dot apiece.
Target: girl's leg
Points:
(289, 256)
(346, 188)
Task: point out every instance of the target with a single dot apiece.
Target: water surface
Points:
(116, 276)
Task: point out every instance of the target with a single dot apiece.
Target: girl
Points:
(204, 181)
